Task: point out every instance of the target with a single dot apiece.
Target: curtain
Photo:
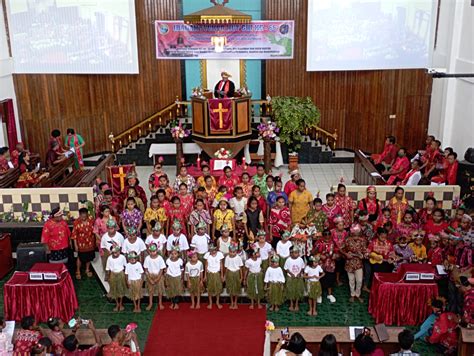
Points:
(11, 124)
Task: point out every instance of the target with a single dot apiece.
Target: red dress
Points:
(331, 213)
(180, 215)
(187, 203)
(25, 340)
(339, 237)
(372, 206)
(280, 220)
(347, 206)
(327, 249)
(230, 183)
(397, 210)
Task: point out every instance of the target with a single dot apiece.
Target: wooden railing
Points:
(182, 108)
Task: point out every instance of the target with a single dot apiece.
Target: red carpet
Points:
(207, 332)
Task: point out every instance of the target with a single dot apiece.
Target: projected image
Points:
(368, 34)
(65, 36)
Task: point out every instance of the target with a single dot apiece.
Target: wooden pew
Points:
(99, 171)
(56, 174)
(9, 178)
(365, 172)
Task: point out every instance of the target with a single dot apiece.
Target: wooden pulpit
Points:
(221, 123)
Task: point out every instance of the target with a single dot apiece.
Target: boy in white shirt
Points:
(214, 274)
(254, 278)
(275, 282)
(177, 239)
(133, 243)
(154, 266)
(283, 247)
(174, 277)
(157, 238)
(294, 266)
(110, 238)
(201, 240)
(233, 274)
(115, 275)
(134, 275)
(313, 272)
(194, 276)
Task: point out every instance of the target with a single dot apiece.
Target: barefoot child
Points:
(274, 284)
(264, 248)
(201, 240)
(254, 278)
(154, 266)
(177, 238)
(157, 238)
(283, 247)
(214, 275)
(294, 266)
(233, 275)
(174, 277)
(134, 275)
(312, 273)
(194, 275)
(115, 268)
(223, 242)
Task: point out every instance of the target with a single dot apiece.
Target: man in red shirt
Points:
(448, 174)
(56, 235)
(387, 157)
(399, 169)
(119, 339)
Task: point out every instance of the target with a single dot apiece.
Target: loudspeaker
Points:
(27, 254)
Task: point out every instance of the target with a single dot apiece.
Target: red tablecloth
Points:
(23, 297)
(196, 173)
(396, 302)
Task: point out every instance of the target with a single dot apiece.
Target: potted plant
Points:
(293, 115)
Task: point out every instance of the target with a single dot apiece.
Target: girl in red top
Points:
(435, 254)
(371, 204)
(425, 214)
(262, 202)
(27, 337)
(346, 204)
(331, 209)
(339, 235)
(279, 220)
(187, 199)
(437, 224)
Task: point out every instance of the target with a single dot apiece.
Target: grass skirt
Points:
(265, 264)
(232, 283)
(118, 285)
(255, 286)
(201, 258)
(294, 288)
(157, 288)
(314, 290)
(282, 262)
(214, 284)
(174, 286)
(135, 291)
(194, 286)
(276, 293)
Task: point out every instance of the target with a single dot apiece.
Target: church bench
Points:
(73, 179)
(9, 178)
(365, 172)
(99, 171)
(56, 173)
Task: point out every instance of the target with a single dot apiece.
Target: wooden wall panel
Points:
(356, 103)
(99, 104)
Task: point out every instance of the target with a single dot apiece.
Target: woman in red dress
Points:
(331, 209)
(425, 214)
(371, 204)
(187, 199)
(346, 204)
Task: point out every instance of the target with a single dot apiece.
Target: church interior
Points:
(239, 177)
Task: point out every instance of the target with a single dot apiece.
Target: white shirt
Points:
(233, 263)
(254, 266)
(160, 241)
(214, 262)
(174, 267)
(194, 270)
(134, 271)
(201, 243)
(116, 265)
(238, 205)
(283, 249)
(138, 246)
(154, 265)
(273, 275)
(283, 352)
(264, 250)
(294, 266)
(183, 242)
(313, 272)
(223, 245)
(106, 241)
(414, 179)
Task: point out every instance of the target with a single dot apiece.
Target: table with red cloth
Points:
(43, 299)
(394, 301)
(238, 171)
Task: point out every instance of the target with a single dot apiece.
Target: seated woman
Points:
(445, 329)
(28, 176)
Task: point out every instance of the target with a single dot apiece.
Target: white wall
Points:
(7, 90)
(452, 100)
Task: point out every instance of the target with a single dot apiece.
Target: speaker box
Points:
(27, 254)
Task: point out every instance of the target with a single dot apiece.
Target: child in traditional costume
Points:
(177, 238)
(154, 214)
(134, 243)
(131, 215)
(115, 268)
(214, 274)
(223, 242)
(174, 277)
(134, 276)
(274, 284)
(418, 248)
(254, 278)
(233, 275)
(156, 238)
(283, 247)
(264, 248)
(194, 277)
(313, 273)
(154, 266)
(294, 267)
(201, 240)
(111, 238)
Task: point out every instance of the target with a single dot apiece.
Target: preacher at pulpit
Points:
(224, 88)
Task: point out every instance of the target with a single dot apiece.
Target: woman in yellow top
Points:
(223, 215)
(418, 248)
(300, 202)
(156, 213)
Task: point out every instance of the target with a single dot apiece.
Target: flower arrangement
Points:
(222, 153)
(179, 131)
(269, 326)
(268, 130)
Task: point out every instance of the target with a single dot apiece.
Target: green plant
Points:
(293, 115)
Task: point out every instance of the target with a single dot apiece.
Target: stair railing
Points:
(327, 138)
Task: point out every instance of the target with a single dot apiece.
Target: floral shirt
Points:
(200, 215)
(56, 235)
(230, 183)
(156, 215)
(383, 248)
(445, 330)
(83, 233)
(188, 180)
(187, 203)
(280, 220)
(247, 188)
(318, 219)
(339, 237)
(397, 210)
(358, 247)
(25, 340)
(261, 182)
(331, 212)
(132, 218)
(223, 217)
(436, 256)
(347, 206)
(327, 249)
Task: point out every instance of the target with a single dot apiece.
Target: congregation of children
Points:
(274, 240)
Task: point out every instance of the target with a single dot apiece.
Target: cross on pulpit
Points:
(121, 175)
(220, 110)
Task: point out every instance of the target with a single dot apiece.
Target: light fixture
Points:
(219, 42)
